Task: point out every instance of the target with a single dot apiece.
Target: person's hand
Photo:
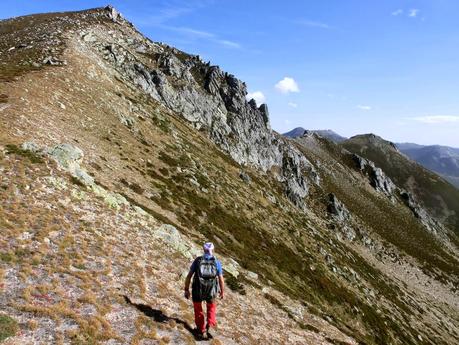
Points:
(187, 294)
(221, 295)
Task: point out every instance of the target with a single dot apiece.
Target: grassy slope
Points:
(431, 190)
(68, 262)
(156, 165)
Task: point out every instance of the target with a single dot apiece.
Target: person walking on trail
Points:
(208, 282)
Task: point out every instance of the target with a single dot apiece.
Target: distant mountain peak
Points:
(325, 133)
(373, 139)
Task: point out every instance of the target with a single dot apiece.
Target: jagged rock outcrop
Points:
(341, 216)
(380, 182)
(378, 179)
(420, 213)
(214, 101)
(337, 209)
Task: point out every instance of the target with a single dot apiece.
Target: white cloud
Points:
(397, 12)
(363, 107)
(413, 12)
(287, 85)
(293, 105)
(433, 119)
(313, 24)
(258, 96)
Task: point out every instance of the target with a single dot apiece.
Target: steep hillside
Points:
(443, 160)
(432, 191)
(120, 156)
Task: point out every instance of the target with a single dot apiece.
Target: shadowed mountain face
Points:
(324, 133)
(120, 156)
(443, 160)
(437, 195)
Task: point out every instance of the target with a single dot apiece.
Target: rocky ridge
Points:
(213, 101)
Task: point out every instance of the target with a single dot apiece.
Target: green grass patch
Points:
(234, 284)
(8, 327)
(32, 156)
(7, 257)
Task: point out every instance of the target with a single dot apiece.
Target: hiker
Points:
(207, 283)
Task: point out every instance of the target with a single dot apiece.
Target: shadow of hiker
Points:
(159, 316)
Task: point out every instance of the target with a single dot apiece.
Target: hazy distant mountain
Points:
(408, 146)
(325, 133)
(295, 133)
(443, 160)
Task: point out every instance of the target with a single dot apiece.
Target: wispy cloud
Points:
(287, 85)
(363, 107)
(258, 96)
(193, 33)
(436, 119)
(313, 24)
(293, 105)
(229, 44)
(165, 14)
(163, 17)
(413, 12)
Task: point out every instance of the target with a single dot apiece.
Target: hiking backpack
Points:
(205, 283)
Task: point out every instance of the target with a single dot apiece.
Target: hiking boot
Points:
(201, 335)
(209, 336)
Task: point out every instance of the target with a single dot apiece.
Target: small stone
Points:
(252, 275)
(30, 146)
(245, 177)
(89, 38)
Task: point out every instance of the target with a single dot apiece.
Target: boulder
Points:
(173, 238)
(113, 14)
(337, 209)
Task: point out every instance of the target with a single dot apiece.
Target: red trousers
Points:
(199, 315)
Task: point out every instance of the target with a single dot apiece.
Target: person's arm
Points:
(221, 282)
(188, 279)
(187, 284)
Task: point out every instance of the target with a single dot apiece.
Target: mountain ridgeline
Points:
(325, 133)
(119, 156)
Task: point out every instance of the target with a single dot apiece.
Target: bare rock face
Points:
(341, 216)
(213, 101)
(378, 179)
(337, 209)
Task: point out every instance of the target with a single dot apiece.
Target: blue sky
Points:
(354, 66)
